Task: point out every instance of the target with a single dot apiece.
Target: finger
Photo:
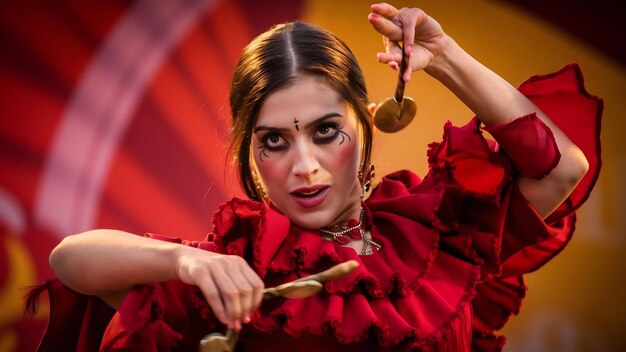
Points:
(415, 19)
(407, 74)
(257, 286)
(213, 298)
(235, 269)
(384, 9)
(388, 58)
(230, 295)
(385, 27)
(409, 21)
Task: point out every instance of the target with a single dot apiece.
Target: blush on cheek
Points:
(345, 155)
(271, 172)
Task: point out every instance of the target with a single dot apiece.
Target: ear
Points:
(372, 107)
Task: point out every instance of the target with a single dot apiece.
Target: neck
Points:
(351, 211)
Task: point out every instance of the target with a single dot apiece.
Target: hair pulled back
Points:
(275, 59)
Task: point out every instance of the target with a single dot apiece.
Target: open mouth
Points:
(308, 194)
(308, 197)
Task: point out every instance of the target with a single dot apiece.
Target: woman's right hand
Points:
(230, 286)
(107, 263)
(422, 36)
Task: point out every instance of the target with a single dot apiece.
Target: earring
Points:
(366, 182)
(258, 186)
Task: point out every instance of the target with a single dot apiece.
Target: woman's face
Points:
(306, 151)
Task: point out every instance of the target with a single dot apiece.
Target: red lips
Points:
(311, 196)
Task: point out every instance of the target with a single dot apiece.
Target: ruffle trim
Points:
(563, 97)
(530, 145)
(473, 182)
(140, 324)
(394, 295)
(423, 318)
(465, 161)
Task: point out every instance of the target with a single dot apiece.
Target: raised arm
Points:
(488, 95)
(107, 263)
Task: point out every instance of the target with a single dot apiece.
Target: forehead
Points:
(308, 98)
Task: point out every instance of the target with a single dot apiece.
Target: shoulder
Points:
(242, 227)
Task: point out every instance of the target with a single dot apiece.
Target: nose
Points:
(305, 162)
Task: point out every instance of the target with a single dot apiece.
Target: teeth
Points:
(309, 193)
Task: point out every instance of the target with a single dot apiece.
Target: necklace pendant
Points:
(356, 234)
(342, 239)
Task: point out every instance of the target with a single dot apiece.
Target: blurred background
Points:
(114, 114)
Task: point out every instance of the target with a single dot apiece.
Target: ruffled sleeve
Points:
(153, 317)
(162, 316)
(77, 322)
(485, 217)
(562, 96)
(482, 215)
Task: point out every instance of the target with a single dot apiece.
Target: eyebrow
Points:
(308, 125)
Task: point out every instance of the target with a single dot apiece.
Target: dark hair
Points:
(274, 60)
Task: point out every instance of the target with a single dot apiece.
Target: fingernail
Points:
(408, 49)
(237, 325)
(247, 319)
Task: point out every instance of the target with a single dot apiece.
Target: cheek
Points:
(345, 158)
(272, 171)
(268, 167)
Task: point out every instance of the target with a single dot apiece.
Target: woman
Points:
(440, 259)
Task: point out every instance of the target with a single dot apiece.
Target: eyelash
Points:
(265, 148)
(338, 131)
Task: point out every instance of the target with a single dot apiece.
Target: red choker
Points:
(351, 231)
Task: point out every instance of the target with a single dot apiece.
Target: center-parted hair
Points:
(274, 60)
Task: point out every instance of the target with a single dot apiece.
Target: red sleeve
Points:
(76, 323)
(152, 317)
(483, 216)
(487, 219)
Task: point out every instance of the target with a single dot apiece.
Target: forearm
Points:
(107, 263)
(488, 95)
(99, 262)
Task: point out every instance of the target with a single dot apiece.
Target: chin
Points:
(312, 219)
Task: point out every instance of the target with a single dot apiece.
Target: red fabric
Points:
(449, 275)
(530, 145)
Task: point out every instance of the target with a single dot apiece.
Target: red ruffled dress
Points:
(449, 275)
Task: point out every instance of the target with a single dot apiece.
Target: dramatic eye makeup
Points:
(272, 141)
(328, 132)
(322, 131)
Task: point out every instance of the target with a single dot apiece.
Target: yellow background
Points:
(576, 302)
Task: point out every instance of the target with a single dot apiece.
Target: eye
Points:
(326, 133)
(274, 141)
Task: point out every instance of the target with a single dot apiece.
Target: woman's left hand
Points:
(422, 36)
